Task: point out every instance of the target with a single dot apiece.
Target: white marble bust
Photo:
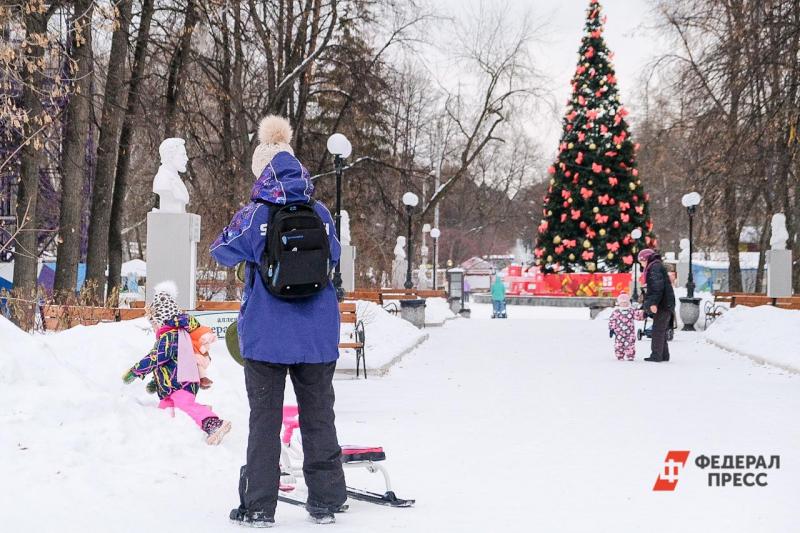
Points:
(779, 233)
(168, 184)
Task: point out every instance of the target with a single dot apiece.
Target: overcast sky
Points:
(628, 34)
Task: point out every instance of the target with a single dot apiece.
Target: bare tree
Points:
(77, 123)
(115, 240)
(497, 54)
(107, 149)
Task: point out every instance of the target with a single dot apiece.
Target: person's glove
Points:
(151, 387)
(611, 334)
(128, 377)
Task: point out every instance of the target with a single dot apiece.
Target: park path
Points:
(525, 424)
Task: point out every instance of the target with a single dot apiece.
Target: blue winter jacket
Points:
(271, 329)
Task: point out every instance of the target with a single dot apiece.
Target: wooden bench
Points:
(716, 308)
(348, 315)
(366, 295)
(388, 297)
(61, 317)
(131, 314)
(754, 300)
(206, 305)
(399, 294)
(750, 300)
(791, 303)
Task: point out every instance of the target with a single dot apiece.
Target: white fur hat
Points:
(274, 135)
(164, 306)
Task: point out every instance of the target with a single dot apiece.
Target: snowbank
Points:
(388, 338)
(437, 312)
(765, 334)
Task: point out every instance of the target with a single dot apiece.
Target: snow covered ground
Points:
(525, 424)
(437, 312)
(761, 334)
(388, 337)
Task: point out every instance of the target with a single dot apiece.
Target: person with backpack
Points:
(288, 324)
(659, 302)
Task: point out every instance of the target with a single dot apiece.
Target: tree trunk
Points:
(732, 239)
(177, 68)
(763, 246)
(124, 156)
(31, 161)
(113, 115)
(73, 161)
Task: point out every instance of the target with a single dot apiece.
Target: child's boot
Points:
(216, 429)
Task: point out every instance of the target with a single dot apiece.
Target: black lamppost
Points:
(636, 234)
(435, 233)
(340, 148)
(690, 306)
(410, 200)
(690, 202)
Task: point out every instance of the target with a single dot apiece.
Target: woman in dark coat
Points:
(659, 302)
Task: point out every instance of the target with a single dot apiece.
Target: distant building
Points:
(478, 273)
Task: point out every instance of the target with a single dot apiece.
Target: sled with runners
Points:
(353, 457)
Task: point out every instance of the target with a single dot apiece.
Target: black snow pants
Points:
(662, 321)
(322, 467)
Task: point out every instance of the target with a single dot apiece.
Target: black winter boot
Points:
(252, 518)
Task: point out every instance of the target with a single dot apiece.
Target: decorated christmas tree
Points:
(595, 199)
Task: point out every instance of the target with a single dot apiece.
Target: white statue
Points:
(423, 282)
(167, 184)
(399, 265)
(344, 238)
(684, 245)
(400, 249)
(779, 233)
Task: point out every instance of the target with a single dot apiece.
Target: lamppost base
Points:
(337, 284)
(690, 312)
(413, 311)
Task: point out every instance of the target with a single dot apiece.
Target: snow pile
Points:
(437, 312)
(388, 338)
(766, 334)
(74, 433)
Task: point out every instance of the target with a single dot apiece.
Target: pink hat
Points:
(646, 254)
(624, 300)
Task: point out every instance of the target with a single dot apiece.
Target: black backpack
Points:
(296, 259)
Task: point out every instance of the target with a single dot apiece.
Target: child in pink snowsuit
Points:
(621, 326)
(173, 365)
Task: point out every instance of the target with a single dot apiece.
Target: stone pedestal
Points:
(455, 305)
(690, 312)
(683, 272)
(779, 273)
(172, 254)
(347, 266)
(413, 311)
